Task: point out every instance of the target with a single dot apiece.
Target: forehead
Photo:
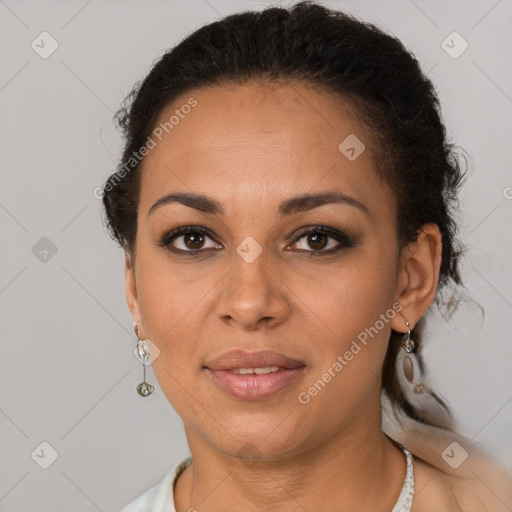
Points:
(260, 139)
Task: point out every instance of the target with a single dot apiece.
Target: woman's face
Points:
(265, 277)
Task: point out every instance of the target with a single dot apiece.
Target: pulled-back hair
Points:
(332, 52)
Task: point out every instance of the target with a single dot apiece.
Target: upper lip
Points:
(242, 359)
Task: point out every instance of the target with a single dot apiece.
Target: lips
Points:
(236, 359)
(254, 375)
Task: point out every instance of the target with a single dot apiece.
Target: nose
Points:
(253, 295)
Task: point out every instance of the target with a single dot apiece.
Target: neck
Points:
(358, 467)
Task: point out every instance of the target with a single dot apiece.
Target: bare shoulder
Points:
(438, 490)
(453, 473)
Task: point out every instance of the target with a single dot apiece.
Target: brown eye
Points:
(317, 241)
(323, 240)
(189, 239)
(193, 240)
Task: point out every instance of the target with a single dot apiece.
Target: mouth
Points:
(254, 375)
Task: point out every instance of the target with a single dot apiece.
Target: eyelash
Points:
(346, 240)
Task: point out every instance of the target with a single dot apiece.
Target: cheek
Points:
(172, 305)
(347, 373)
(346, 296)
(355, 302)
(170, 292)
(172, 308)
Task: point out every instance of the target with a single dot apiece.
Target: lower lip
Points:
(255, 387)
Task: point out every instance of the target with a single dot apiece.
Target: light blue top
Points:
(160, 498)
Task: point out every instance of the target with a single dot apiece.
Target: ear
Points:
(131, 292)
(418, 276)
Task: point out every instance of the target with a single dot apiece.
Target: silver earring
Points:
(143, 389)
(410, 367)
(416, 391)
(408, 343)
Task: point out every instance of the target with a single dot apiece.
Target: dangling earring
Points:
(427, 404)
(143, 389)
(408, 343)
(408, 362)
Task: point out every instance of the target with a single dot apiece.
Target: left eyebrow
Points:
(306, 202)
(297, 204)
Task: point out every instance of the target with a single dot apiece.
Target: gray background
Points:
(68, 374)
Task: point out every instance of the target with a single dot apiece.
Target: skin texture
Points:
(250, 147)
